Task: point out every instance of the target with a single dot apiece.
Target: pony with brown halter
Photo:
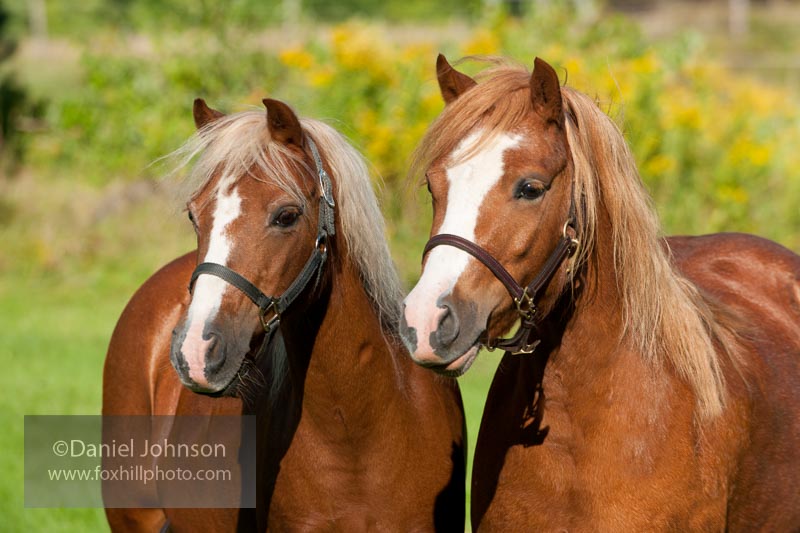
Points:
(351, 434)
(663, 387)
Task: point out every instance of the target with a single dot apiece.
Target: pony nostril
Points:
(407, 334)
(176, 356)
(447, 331)
(215, 354)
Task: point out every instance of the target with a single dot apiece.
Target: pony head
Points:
(256, 199)
(255, 212)
(498, 167)
(517, 165)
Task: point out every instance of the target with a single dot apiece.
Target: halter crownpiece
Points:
(326, 219)
(525, 339)
(312, 268)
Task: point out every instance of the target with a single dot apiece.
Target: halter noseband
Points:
(313, 267)
(524, 340)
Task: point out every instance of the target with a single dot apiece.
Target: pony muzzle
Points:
(439, 336)
(203, 360)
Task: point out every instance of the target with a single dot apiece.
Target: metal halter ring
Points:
(525, 305)
(321, 244)
(575, 243)
(269, 324)
(564, 229)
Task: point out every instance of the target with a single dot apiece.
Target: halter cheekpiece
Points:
(270, 308)
(525, 298)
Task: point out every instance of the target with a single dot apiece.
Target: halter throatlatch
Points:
(271, 308)
(525, 298)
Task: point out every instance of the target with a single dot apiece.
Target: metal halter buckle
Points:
(321, 244)
(525, 305)
(273, 321)
(527, 348)
(327, 194)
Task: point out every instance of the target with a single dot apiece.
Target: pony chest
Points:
(607, 463)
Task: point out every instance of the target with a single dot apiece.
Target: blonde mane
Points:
(663, 314)
(240, 145)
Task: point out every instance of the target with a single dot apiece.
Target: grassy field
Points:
(54, 341)
(57, 322)
(83, 222)
(52, 351)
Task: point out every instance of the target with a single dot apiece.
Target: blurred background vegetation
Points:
(92, 92)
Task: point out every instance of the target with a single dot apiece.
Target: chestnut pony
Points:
(352, 434)
(652, 384)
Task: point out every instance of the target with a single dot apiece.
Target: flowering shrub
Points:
(717, 148)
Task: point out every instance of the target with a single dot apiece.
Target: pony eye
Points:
(287, 217)
(529, 190)
(191, 218)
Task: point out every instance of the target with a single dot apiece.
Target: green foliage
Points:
(394, 10)
(78, 20)
(717, 150)
(14, 104)
(133, 110)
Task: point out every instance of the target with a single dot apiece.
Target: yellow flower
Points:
(414, 52)
(680, 108)
(759, 155)
(363, 48)
(296, 58)
(745, 150)
(321, 77)
(732, 194)
(431, 103)
(646, 64)
(573, 66)
(659, 165)
(483, 42)
(553, 53)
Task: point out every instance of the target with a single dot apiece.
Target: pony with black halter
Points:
(351, 434)
(311, 270)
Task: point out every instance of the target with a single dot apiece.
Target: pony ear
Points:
(204, 114)
(283, 124)
(452, 83)
(546, 93)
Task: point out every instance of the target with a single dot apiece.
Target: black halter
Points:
(525, 299)
(276, 305)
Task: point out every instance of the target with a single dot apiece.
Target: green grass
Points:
(57, 316)
(70, 257)
(52, 350)
(474, 386)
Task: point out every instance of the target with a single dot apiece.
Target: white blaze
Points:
(469, 182)
(208, 290)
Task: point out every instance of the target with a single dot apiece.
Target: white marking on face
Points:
(208, 290)
(469, 181)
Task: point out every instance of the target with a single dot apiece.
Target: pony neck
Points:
(596, 317)
(339, 355)
(590, 358)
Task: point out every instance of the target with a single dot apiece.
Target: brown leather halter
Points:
(526, 338)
